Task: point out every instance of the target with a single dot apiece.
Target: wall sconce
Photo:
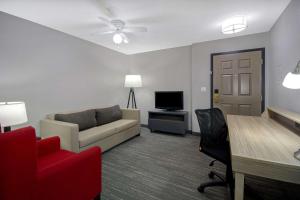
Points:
(292, 79)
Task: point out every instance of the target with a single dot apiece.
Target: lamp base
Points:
(7, 129)
(132, 97)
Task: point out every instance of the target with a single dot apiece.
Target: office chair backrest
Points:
(213, 127)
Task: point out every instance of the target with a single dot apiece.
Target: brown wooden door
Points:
(237, 82)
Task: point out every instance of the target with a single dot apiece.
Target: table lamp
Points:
(132, 81)
(12, 113)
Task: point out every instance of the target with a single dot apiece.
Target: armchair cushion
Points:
(52, 159)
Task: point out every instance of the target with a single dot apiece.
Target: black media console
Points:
(168, 121)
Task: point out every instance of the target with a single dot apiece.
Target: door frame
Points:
(263, 90)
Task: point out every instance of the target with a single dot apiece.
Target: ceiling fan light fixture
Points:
(234, 25)
(117, 38)
(125, 38)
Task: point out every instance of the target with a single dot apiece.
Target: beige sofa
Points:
(105, 136)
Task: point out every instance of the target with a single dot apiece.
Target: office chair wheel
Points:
(212, 163)
(211, 175)
(200, 189)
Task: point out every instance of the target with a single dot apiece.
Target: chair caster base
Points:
(200, 189)
(211, 175)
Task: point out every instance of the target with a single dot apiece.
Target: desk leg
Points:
(239, 186)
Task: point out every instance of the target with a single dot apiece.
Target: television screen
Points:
(169, 100)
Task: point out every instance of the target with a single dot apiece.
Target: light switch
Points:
(203, 89)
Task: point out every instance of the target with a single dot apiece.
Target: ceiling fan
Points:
(119, 29)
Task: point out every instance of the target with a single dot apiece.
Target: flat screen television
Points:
(169, 100)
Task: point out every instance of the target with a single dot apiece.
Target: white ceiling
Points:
(170, 23)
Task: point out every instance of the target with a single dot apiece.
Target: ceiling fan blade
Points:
(103, 8)
(104, 20)
(134, 29)
(103, 32)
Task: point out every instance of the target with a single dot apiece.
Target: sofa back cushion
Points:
(85, 119)
(107, 115)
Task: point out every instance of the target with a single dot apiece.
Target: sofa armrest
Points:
(131, 114)
(67, 132)
(48, 145)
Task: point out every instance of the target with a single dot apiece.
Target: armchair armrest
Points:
(48, 145)
(67, 132)
(82, 172)
(131, 114)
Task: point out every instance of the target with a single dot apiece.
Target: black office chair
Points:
(214, 143)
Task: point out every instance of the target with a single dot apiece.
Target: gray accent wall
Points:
(185, 68)
(163, 70)
(285, 53)
(52, 71)
(201, 65)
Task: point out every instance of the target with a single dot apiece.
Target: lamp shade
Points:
(12, 113)
(133, 81)
(292, 79)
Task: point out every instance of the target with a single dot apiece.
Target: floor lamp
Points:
(132, 81)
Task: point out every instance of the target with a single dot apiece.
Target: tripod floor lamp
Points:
(132, 81)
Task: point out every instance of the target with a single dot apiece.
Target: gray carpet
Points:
(158, 166)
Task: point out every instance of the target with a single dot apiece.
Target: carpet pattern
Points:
(157, 166)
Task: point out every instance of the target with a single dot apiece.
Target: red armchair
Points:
(41, 170)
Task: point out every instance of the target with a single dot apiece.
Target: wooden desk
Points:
(261, 146)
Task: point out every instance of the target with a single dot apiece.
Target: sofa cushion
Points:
(85, 119)
(107, 115)
(100, 132)
(124, 124)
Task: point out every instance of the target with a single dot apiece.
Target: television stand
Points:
(168, 121)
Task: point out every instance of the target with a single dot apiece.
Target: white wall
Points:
(52, 71)
(285, 53)
(162, 70)
(201, 65)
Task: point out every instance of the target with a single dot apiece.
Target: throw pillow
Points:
(107, 115)
(85, 119)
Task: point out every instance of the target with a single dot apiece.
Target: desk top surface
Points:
(262, 139)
